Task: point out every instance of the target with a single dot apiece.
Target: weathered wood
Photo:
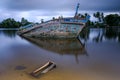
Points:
(49, 68)
(44, 69)
(41, 67)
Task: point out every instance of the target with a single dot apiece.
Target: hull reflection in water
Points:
(61, 46)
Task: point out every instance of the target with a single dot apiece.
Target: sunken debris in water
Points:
(20, 67)
(44, 69)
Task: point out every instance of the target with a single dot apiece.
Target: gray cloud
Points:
(62, 5)
(34, 10)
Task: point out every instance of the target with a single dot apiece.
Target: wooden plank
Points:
(44, 69)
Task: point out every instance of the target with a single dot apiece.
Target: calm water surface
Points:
(96, 56)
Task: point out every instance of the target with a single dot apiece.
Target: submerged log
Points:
(44, 69)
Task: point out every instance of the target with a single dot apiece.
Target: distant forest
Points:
(110, 20)
(103, 21)
(11, 23)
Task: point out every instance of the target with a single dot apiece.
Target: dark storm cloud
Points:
(34, 10)
(62, 5)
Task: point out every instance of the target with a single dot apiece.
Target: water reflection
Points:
(61, 46)
(18, 56)
(84, 34)
(8, 33)
(112, 33)
(100, 35)
(71, 46)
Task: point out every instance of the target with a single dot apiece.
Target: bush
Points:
(112, 20)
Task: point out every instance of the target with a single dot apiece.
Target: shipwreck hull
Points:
(55, 30)
(61, 27)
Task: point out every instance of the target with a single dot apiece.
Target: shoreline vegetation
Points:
(108, 21)
(11, 23)
(111, 20)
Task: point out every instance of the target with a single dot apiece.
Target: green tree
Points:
(86, 14)
(42, 20)
(99, 16)
(112, 20)
(9, 23)
(102, 16)
(24, 22)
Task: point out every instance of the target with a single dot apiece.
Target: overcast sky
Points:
(35, 10)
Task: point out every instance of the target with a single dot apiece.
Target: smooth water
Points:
(96, 56)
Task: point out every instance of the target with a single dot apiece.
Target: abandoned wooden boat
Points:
(56, 28)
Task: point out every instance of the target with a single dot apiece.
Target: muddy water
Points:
(95, 57)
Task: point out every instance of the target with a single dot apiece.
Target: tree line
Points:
(105, 21)
(109, 20)
(11, 23)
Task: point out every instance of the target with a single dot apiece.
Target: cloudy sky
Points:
(35, 10)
